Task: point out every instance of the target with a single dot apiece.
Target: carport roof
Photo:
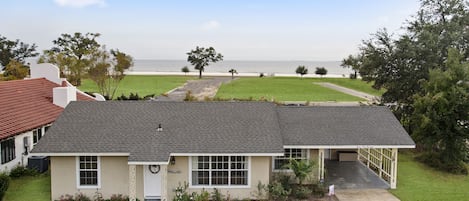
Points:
(338, 126)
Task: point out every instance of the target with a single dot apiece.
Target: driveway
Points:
(364, 195)
(200, 89)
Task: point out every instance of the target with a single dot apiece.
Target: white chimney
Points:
(46, 70)
(63, 95)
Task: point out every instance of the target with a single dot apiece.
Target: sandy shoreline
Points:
(236, 75)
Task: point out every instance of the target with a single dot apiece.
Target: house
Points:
(147, 149)
(28, 108)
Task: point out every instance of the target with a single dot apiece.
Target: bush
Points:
(20, 171)
(203, 196)
(433, 159)
(216, 195)
(302, 192)
(118, 197)
(181, 193)
(319, 190)
(277, 192)
(4, 183)
(78, 197)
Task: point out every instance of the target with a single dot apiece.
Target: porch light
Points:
(172, 160)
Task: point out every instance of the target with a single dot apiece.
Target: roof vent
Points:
(159, 129)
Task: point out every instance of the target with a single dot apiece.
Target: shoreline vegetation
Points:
(227, 74)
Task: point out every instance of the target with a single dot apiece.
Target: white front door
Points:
(152, 182)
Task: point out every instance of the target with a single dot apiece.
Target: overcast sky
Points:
(318, 30)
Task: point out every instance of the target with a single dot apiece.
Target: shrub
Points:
(319, 190)
(203, 196)
(216, 195)
(82, 197)
(433, 159)
(277, 192)
(190, 97)
(4, 183)
(181, 193)
(118, 197)
(66, 197)
(302, 192)
(20, 171)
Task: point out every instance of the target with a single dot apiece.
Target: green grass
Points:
(356, 84)
(281, 89)
(35, 188)
(141, 84)
(421, 183)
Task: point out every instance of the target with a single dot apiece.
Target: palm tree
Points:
(301, 168)
(233, 71)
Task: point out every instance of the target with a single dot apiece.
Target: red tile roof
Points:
(27, 104)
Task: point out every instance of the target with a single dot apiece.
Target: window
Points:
(219, 171)
(88, 171)
(8, 150)
(281, 161)
(37, 134)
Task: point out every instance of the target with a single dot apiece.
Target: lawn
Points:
(356, 84)
(281, 89)
(35, 188)
(419, 182)
(141, 84)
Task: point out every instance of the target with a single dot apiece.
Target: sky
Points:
(308, 30)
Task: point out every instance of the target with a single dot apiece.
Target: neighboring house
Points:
(147, 149)
(28, 108)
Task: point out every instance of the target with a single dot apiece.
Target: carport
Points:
(358, 143)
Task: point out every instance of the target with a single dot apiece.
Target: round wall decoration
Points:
(154, 168)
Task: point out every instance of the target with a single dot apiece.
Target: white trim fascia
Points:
(147, 163)
(347, 146)
(80, 154)
(77, 171)
(227, 154)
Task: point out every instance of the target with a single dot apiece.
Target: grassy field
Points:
(141, 84)
(281, 89)
(416, 181)
(356, 84)
(35, 188)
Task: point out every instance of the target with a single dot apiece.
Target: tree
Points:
(76, 52)
(301, 168)
(321, 71)
(353, 62)
(185, 70)
(15, 50)
(232, 71)
(202, 57)
(302, 70)
(441, 117)
(400, 63)
(15, 70)
(108, 70)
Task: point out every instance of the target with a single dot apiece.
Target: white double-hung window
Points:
(219, 171)
(280, 162)
(88, 172)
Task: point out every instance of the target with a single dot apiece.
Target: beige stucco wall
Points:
(114, 177)
(179, 173)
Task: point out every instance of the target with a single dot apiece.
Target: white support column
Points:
(321, 164)
(132, 182)
(368, 158)
(394, 168)
(381, 163)
(164, 182)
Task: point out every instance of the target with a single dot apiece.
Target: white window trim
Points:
(308, 153)
(219, 186)
(78, 174)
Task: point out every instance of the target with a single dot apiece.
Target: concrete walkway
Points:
(352, 175)
(366, 96)
(364, 195)
(200, 89)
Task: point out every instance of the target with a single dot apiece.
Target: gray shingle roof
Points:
(365, 125)
(188, 127)
(213, 128)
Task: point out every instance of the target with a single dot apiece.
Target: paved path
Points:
(364, 195)
(368, 97)
(200, 89)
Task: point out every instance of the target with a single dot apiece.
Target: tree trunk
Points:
(200, 73)
(355, 74)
